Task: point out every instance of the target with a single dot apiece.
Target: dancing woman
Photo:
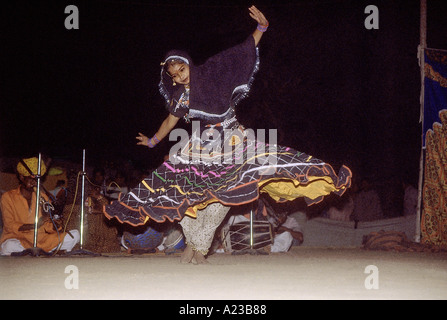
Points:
(198, 184)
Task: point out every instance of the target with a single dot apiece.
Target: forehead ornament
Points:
(173, 58)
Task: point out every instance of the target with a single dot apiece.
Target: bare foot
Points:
(187, 255)
(199, 258)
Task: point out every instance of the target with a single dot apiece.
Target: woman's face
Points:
(179, 72)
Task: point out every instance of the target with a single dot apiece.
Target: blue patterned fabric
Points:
(150, 239)
(435, 88)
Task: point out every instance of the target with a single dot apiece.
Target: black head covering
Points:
(218, 84)
(166, 87)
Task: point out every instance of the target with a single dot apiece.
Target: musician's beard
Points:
(29, 186)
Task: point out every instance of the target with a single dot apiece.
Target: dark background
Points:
(332, 88)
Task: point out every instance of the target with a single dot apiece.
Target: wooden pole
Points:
(423, 26)
(422, 47)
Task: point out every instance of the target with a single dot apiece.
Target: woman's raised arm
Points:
(262, 23)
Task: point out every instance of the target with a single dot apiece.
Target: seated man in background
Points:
(18, 213)
(286, 234)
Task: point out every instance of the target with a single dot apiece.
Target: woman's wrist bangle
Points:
(149, 143)
(262, 28)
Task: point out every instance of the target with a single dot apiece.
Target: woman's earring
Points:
(173, 83)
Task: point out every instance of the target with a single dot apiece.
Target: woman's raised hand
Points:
(258, 16)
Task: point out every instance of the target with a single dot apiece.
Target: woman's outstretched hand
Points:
(142, 139)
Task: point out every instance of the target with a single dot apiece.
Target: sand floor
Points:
(302, 273)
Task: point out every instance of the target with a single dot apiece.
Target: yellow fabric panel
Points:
(192, 211)
(290, 189)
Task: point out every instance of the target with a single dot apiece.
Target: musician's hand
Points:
(298, 236)
(282, 229)
(26, 227)
(58, 224)
(30, 226)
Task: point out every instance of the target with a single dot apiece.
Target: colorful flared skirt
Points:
(233, 173)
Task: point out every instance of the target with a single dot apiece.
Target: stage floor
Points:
(302, 273)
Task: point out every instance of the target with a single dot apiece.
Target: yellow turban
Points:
(32, 164)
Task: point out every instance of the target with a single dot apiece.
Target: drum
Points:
(236, 237)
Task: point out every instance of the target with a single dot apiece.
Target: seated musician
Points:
(18, 210)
